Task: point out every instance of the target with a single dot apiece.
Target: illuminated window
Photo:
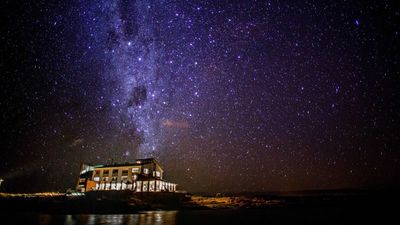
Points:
(138, 186)
(146, 171)
(135, 170)
(97, 179)
(158, 186)
(158, 174)
(151, 185)
(113, 186)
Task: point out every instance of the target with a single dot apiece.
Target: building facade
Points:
(144, 175)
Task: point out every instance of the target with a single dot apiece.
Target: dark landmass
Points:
(312, 207)
(100, 202)
(117, 202)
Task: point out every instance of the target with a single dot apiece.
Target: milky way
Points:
(138, 92)
(227, 95)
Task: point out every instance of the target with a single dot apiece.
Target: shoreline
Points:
(126, 202)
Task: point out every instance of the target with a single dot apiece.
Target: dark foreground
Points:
(300, 208)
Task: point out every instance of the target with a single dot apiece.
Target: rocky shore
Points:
(128, 202)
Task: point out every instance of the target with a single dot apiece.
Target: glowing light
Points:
(175, 124)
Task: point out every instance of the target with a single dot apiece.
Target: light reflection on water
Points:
(145, 218)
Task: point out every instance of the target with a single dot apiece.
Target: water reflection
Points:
(145, 218)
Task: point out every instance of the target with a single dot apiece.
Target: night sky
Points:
(229, 96)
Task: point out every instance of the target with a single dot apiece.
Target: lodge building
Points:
(144, 175)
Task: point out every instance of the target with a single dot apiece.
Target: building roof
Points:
(138, 162)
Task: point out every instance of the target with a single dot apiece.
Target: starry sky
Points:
(230, 96)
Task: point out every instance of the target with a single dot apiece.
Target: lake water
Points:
(306, 215)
